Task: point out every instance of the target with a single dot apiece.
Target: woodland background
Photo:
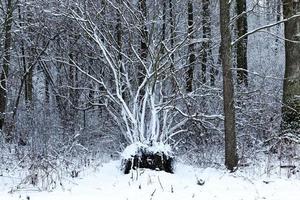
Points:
(82, 79)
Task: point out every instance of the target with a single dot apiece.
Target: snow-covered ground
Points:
(106, 182)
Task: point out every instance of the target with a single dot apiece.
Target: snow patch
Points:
(153, 148)
(108, 183)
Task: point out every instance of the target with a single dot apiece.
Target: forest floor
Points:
(106, 182)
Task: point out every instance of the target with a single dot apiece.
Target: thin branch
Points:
(263, 27)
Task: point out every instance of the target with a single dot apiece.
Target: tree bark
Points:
(206, 45)
(28, 82)
(242, 28)
(231, 157)
(119, 33)
(28, 63)
(191, 48)
(172, 42)
(278, 18)
(144, 46)
(6, 64)
(291, 85)
(164, 24)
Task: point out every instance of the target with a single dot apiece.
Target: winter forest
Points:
(152, 99)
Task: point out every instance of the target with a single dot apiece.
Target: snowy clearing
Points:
(108, 182)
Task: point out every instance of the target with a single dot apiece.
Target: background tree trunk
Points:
(278, 18)
(291, 86)
(242, 28)
(28, 81)
(144, 46)
(119, 33)
(206, 45)
(231, 157)
(164, 26)
(172, 42)
(191, 48)
(6, 64)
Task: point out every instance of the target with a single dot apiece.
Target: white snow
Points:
(108, 183)
(156, 147)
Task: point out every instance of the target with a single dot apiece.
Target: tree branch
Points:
(263, 27)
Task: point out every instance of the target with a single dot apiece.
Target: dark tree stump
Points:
(144, 159)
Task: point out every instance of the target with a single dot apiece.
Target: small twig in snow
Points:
(160, 183)
(153, 193)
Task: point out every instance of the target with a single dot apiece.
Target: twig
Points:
(19, 163)
(153, 193)
(263, 27)
(160, 183)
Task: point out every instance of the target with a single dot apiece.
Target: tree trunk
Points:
(206, 45)
(231, 157)
(291, 85)
(119, 33)
(144, 46)
(73, 95)
(29, 61)
(28, 81)
(164, 23)
(6, 64)
(172, 42)
(47, 92)
(242, 28)
(191, 48)
(278, 18)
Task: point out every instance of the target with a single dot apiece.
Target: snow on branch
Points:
(263, 27)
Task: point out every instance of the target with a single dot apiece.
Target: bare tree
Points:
(278, 18)
(144, 43)
(6, 63)
(231, 158)
(191, 48)
(291, 86)
(206, 55)
(242, 28)
(172, 42)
